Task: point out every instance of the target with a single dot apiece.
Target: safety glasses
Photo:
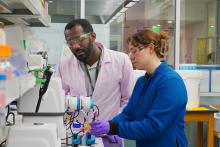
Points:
(79, 39)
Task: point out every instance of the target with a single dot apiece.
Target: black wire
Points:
(72, 118)
(70, 123)
(97, 109)
(66, 138)
(76, 115)
(78, 132)
(7, 112)
(65, 114)
(3, 143)
(29, 70)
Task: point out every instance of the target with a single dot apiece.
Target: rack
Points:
(27, 12)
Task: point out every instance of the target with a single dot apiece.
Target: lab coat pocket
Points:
(109, 83)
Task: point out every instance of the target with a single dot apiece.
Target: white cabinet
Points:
(18, 86)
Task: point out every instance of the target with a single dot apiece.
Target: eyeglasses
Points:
(79, 39)
(135, 50)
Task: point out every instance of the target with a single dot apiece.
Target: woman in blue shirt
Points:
(154, 116)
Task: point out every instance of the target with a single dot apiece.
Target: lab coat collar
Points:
(106, 55)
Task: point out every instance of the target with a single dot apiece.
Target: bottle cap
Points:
(3, 77)
(5, 51)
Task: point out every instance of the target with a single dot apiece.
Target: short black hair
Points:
(87, 27)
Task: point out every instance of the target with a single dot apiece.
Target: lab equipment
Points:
(34, 135)
(80, 131)
(37, 56)
(76, 139)
(37, 117)
(46, 110)
(39, 74)
(43, 104)
(81, 103)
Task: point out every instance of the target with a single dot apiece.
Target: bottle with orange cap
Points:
(5, 65)
(3, 78)
(5, 54)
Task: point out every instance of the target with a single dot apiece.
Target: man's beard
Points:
(83, 54)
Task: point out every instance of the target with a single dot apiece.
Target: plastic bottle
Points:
(5, 73)
(5, 54)
(5, 65)
(3, 79)
(3, 112)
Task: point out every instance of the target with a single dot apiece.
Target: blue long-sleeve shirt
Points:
(154, 116)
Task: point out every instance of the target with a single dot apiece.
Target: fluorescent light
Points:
(118, 14)
(50, 1)
(135, 0)
(123, 10)
(120, 19)
(114, 17)
(130, 4)
(110, 21)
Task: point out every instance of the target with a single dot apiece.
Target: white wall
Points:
(102, 33)
(15, 34)
(54, 38)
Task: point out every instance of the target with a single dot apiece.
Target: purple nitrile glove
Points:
(112, 141)
(99, 128)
